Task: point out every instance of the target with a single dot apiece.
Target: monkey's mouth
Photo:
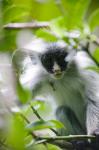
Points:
(58, 75)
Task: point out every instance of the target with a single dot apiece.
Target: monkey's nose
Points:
(57, 71)
(58, 74)
(56, 68)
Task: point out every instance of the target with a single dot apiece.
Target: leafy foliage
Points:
(93, 20)
(44, 124)
(96, 54)
(67, 20)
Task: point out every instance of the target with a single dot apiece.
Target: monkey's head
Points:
(56, 59)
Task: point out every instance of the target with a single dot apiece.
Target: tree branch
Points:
(40, 118)
(90, 55)
(33, 135)
(64, 142)
(26, 25)
(69, 138)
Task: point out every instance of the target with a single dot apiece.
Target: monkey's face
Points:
(54, 62)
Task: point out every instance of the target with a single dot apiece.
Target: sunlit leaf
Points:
(53, 147)
(17, 10)
(42, 147)
(45, 10)
(16, 13)
(96, 54)
(24, 94)
(17, 133)
(38, 147)
(38, 125)
(37, 104)
(46, 35)
(94, 68)
(58, 26)
(94, 20)
(9, 42)
(76, 10)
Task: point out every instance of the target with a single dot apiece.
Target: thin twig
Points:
(69, 138)
(90, 55)
(33, 135)
(4, 145)
(26, 25)
(63, 141)
(24, 118)
(96, 42)
(36, 113)
(63, 144)
(40, 118)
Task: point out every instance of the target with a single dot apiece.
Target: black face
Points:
(51, 56)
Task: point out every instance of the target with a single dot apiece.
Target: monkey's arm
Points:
(92, 109)
(92, 120)
(34, 79)
(91, 91)
(92, 96)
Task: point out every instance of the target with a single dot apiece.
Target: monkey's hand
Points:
(94, 144)
(81, 145)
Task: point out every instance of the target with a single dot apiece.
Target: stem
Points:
(60, 143)
(87, 50)
(40, 118)
(36, 113)
(96, 42)
(33, 135)
(63, 142)
(4, 145)
(70, 137)
(30, 25)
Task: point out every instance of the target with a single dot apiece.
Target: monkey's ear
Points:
(24, 58)
(29, 48)
(70, 55)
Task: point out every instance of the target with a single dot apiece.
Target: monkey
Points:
(63, 73)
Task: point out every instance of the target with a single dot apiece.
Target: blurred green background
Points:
(64, 18)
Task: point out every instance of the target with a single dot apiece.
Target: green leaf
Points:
(16, 13)
(9, 41)
(42, 147)
(23, 94)
(38, 125)
(53, 147)
(45, 10)
(17, 133)
(38, 104)
(58, 26)
(96, 54)
(56, 123)
(17, 10)
(94, 68)
(46, 35)
(94, 20)
(76, 10)
(13, 11)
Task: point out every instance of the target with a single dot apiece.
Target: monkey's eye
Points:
(61, 58)
(61, 61)
(47, 62)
